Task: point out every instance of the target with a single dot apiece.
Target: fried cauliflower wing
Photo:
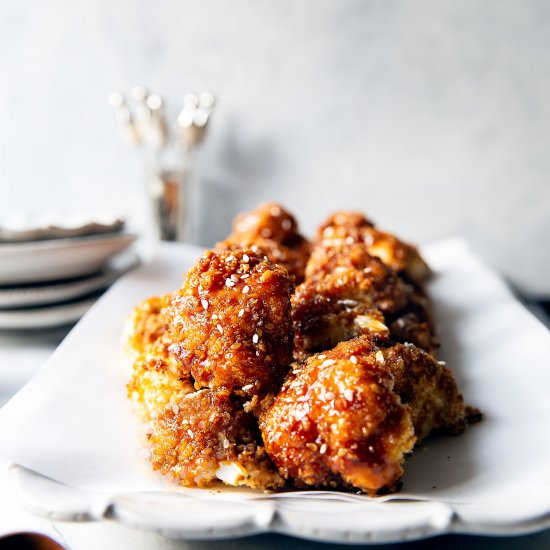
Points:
(272, 231)
(230, 323)
(344, 284)
(343, 301)
(350, 227)
(157, 379)
(349, 416)
(415, 322)
(337, 422)
(206, 436)
(156, 383)
(147, 326)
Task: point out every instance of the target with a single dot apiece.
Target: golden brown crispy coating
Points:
(415, 322)
(148, 325)
(428, 387)
(206, 436)
(157, 379)
(156, 383)
(338, 422)
(292, 258)
(353, 262)
(406, 309)
(340, 225)
(338, 307)
(350, 227)
(348, 417)
(272, 231)
(344, 285)
(402, 257)
(267, 221)
(230, 322)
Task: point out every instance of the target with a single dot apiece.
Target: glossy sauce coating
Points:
(272, 231)
(349, 227)
(230, 322)
(349, 416)
(406, 308)
(337, 422)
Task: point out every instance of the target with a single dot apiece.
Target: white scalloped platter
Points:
(72, 424)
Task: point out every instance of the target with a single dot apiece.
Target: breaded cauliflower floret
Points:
(349, 416)
(155, 384)
(147, 325)
(157, 378)
(206, 436)
(350, 227)
(334, 309)
(406, 309)
(230, 322)
(338, 422)
(270, 231)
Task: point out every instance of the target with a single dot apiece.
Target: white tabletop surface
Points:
(22, 355)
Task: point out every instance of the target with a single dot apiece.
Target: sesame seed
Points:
(245, 276)
(327, 363)
(353, 359)
(380, 357)
(226, 443)
(230, 258)
(229, 283)
(204, 304)
(311, 446)
(247, 387)
(371, 449)
(220, 329)
(348, 394)
(442, 363)
(234, 278)
(241, 313)
(255, 338)
(323, 448)
(246, 258)
(246, 289)
(330, 395)
(190, 433)
(287, 224)
(409, 345)
(322, 356)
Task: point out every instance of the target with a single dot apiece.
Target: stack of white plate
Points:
(51, 273)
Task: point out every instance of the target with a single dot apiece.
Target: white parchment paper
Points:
(73, 423)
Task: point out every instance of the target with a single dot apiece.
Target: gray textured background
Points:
(433, 116)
